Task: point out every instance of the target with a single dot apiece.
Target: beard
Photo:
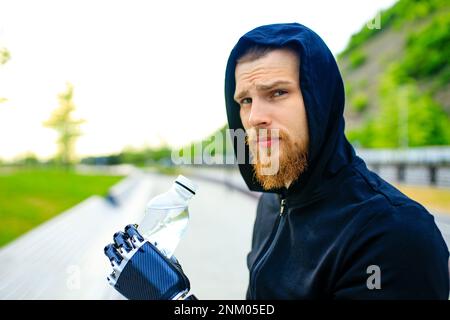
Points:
(279, 164)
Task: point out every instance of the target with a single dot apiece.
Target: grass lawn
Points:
(432, 198)
(29, 197)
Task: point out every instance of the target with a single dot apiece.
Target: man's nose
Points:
(259, 114)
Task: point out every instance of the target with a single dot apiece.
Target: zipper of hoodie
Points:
(269, 245)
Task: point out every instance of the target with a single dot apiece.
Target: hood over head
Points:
(323, 94)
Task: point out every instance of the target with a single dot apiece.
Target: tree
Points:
(66, 126)
(4, 57)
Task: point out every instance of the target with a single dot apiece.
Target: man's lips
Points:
(267, 142)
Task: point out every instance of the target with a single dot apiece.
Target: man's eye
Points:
(246, 101)
(278, 93)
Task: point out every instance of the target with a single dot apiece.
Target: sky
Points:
(144, 72)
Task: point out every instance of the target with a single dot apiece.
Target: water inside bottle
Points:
(165, 227)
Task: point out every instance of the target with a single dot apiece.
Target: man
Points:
(326, 226)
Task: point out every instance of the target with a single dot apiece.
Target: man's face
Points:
(273, 114)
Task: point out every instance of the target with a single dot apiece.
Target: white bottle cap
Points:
(186, 183)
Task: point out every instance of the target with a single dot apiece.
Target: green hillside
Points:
(397, 77)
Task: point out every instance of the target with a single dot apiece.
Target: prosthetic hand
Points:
(142, 272)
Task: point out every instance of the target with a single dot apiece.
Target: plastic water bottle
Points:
(166, 216)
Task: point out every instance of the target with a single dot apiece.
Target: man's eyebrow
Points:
(262, 87)
(271, 85)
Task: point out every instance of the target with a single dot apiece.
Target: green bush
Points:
(407, 117)
(356, 59)
(348, 90)
(360, 102)
(428, 50)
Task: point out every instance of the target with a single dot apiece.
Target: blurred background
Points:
(97, 98)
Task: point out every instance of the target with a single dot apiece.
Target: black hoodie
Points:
(343, 228)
